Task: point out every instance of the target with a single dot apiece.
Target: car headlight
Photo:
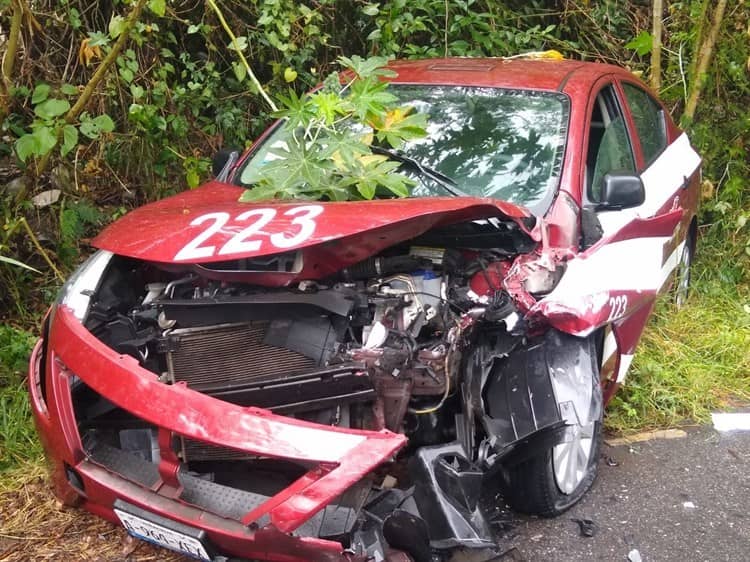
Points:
(77, 291)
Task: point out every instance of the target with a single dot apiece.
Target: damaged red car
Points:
(306, 381)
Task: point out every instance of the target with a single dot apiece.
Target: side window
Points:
(649, 121)
(609, 145)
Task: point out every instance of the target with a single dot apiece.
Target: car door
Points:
(612, 284)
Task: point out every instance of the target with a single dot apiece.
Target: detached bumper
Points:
(337, 458)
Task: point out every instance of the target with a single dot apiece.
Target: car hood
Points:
(210, 225)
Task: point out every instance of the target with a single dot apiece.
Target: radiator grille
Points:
(222, 357)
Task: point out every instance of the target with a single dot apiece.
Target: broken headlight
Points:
(77, 291)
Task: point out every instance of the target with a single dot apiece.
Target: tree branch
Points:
(656, 45)
(704, 60)
(236, 46)
(9, 60)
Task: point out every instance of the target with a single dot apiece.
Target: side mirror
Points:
(621, 190)
(222, 163)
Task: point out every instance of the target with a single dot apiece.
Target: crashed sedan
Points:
(307, 381)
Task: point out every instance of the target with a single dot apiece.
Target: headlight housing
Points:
(77, 291)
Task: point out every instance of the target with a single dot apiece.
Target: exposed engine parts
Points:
(421, 340)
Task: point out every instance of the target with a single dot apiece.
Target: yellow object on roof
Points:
(549, 55)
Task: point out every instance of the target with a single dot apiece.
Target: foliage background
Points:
(176, 93)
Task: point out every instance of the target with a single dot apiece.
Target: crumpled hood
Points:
(209, 225)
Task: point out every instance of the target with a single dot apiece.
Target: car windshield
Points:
(500, 143)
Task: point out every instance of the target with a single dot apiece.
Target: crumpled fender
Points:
(615, 277)
(339, 457)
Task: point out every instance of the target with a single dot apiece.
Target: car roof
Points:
(515, 73)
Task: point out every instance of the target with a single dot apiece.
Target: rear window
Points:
(649, 121)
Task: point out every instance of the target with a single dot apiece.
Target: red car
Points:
(339, 381)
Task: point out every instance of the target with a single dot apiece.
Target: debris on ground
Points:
(646, 436)
(634, 556)
(587, 527)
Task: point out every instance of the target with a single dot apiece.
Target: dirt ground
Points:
(35, 526)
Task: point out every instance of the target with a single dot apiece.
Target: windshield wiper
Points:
(444, 181)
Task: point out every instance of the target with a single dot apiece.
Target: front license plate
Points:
(166, 535)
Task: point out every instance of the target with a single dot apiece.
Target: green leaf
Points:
(327, 106)
(45, 140)
(126, 74)
(260, 192)
(116, 26)
(366, 68)
(641, 43)
(41, 93)
(369, 98)
(400, 126)
(11, 261)
(70, 139)
(158, 7)
(240, 43)
(193, 178)
(240, 72)
(69, 90)
(137, 91)
(193, 28)
(370, 9)
(98, 39)
(51, 108)
(26, 146)
(104, 123)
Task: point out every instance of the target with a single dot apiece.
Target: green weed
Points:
(18, 440)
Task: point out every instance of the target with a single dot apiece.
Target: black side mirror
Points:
(222, 163)
(621, 190)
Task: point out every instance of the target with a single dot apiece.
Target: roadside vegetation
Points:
(108, 105)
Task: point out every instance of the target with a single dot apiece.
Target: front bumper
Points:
(337, 458)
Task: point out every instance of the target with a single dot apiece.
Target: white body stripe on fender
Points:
(661, 180)
(625, 361)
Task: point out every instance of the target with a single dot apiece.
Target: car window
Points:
(649, 121)
(493, 142)
(609, 147)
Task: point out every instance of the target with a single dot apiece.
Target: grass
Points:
(18, 441)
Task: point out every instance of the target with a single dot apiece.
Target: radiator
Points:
(229, 355)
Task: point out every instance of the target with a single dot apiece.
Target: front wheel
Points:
(554, 481)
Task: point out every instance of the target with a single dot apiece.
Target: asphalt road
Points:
(682, 499)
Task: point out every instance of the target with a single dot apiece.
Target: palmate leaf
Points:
(342, 149)
(401, 125)
(370, 99)
(296, 169)
(327, 106)
(377, 171)
(366, 68)
(297, 110)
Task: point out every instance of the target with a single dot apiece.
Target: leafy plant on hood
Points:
(327, 136)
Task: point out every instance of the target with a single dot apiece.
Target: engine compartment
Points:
(375, 346)
(423, 338)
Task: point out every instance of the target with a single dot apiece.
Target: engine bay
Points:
(422, 339)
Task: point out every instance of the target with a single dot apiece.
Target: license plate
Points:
(169, 534)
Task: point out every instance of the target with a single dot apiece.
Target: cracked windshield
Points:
(506, 144)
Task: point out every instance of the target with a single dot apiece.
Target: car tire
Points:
(682, 275)
(546, 484)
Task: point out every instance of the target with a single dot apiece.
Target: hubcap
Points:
(570, 460)
(683, 276)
